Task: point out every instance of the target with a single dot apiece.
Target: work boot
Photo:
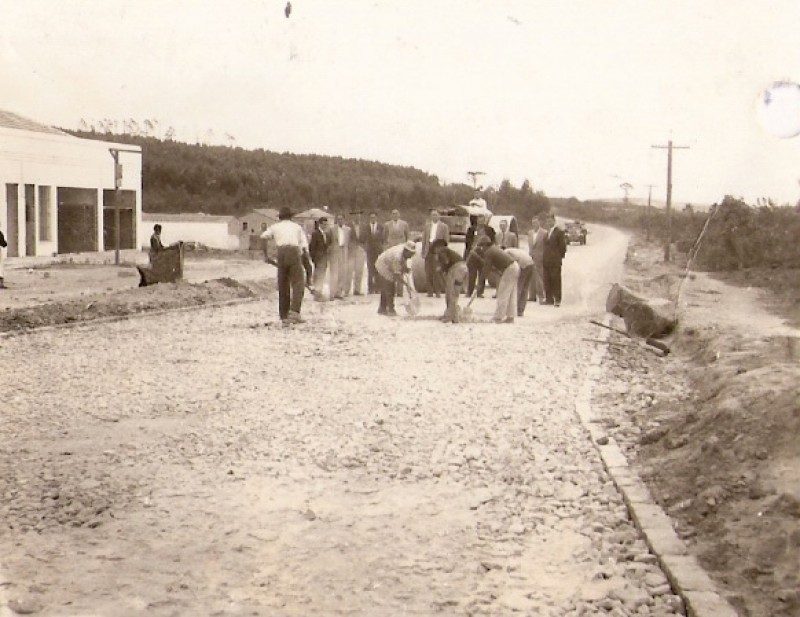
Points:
(294, 317)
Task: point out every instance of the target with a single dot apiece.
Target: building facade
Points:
(58, 192)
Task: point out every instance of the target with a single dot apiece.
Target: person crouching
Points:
(493, 257)
(391, 265)
(454, 269)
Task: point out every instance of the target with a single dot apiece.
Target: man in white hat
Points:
(391, 265)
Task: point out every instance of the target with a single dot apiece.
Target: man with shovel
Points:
(454, 269)
(391, 266)
(493, 257)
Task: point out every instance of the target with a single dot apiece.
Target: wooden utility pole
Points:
(475, 175)
(649, 213)
(117, 197)
(669, 147)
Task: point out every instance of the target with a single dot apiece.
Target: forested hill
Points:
(179, 177)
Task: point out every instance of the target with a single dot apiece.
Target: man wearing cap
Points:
(435, 229)
(359, 235)
(494, 258)
(391, 265)
(290, 242)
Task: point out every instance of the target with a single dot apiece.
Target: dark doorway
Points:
(30, 219)
(127, 220)
(77, 220)
(12, 219)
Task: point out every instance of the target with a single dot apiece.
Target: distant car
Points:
(575, 232)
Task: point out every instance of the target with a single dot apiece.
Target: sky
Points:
(568, 94)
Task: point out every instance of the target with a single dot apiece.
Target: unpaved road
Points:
(214, 463)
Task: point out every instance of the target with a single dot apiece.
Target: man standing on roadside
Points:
(506, 239)
(289, 241)
(374, 248)
(396, 232)
(536, 239)
(435, 229)
(337, 257)
(391, 265)
(318, 249)
(480, 230)
(359, 235)
(555, 248)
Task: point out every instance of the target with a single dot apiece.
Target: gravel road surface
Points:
(213, 462)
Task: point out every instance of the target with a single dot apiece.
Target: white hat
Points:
(410, 246)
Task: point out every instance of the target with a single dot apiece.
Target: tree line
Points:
(181, 178)
(733, 234)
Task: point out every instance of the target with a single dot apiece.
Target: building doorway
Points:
(30, 219)
(12, 219)
(77, 220)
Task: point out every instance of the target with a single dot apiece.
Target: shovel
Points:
(466, 312)
(412, 306)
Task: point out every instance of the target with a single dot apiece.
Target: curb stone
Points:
(686, 576)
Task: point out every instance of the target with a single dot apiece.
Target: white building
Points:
(219, 232)
(57, 191)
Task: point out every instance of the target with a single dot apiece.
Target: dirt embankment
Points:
(68, 293)
(714, 427)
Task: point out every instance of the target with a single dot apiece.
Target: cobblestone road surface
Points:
(215, 463)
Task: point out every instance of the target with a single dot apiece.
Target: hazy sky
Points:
(570, 94)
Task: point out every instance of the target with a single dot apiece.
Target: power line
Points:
(669, 148)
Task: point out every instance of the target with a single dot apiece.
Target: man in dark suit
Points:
(435, 229)
(318, 248)
(374, 247)
(555, 248)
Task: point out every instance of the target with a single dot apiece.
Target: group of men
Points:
(521, 275)
(337, 252)
(341, 252)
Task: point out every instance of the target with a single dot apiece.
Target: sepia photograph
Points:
(373, 308)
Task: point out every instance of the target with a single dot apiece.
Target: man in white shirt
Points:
(391, 265)
(289, 241)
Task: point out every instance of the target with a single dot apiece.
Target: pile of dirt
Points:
(120, 303)
(714, 431)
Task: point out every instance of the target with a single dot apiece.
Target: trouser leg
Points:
(523, 288)
(290, 280)
(358, 261)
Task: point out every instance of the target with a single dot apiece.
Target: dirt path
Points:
(215, 463)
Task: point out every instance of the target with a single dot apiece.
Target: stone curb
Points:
(685, 574)
(115, 318)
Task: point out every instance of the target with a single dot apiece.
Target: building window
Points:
(263, 227)
(244, 225)
(45, 208)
